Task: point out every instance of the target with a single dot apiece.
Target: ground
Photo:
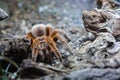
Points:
(65, 15)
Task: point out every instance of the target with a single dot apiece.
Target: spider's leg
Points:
(54, 33)
(64, 42)
(41, 51)
(48, 31)
(51, 47)
(35, 49)
(42, 47)
(48, 52)
(49, 55)
(42, 55)
(30, 36)
(54, 49)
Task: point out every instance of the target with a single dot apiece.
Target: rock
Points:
(112, 26)
(3, 14)
(16, 49)
(114, 49)
(87, 74)
(102, 41)
(102, 21)
(108, 4)
(30, 69)
(94, 74)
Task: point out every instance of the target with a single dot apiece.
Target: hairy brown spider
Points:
(44, 39)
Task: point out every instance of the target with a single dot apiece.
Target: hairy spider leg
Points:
(35, 49)
(52, 44)
(41, 48)
(45, 53)
(30, 36)
(56, 35)
(48, 31)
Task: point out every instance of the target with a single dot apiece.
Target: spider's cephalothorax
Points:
(44, 39)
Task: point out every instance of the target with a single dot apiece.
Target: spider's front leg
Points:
(56, 35)
(54, 49)
(37, 48)
(64, 42)
(44, 52)
(30, 36)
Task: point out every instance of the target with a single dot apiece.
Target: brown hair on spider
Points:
(44, 39)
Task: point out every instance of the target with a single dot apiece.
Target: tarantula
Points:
(43, 38)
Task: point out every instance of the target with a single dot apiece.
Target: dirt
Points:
(92, 57)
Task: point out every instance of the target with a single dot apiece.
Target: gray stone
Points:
(3, 14)
(94, 74)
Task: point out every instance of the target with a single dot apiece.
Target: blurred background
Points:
(25, 13)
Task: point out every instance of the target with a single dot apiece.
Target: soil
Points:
(89, 58)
